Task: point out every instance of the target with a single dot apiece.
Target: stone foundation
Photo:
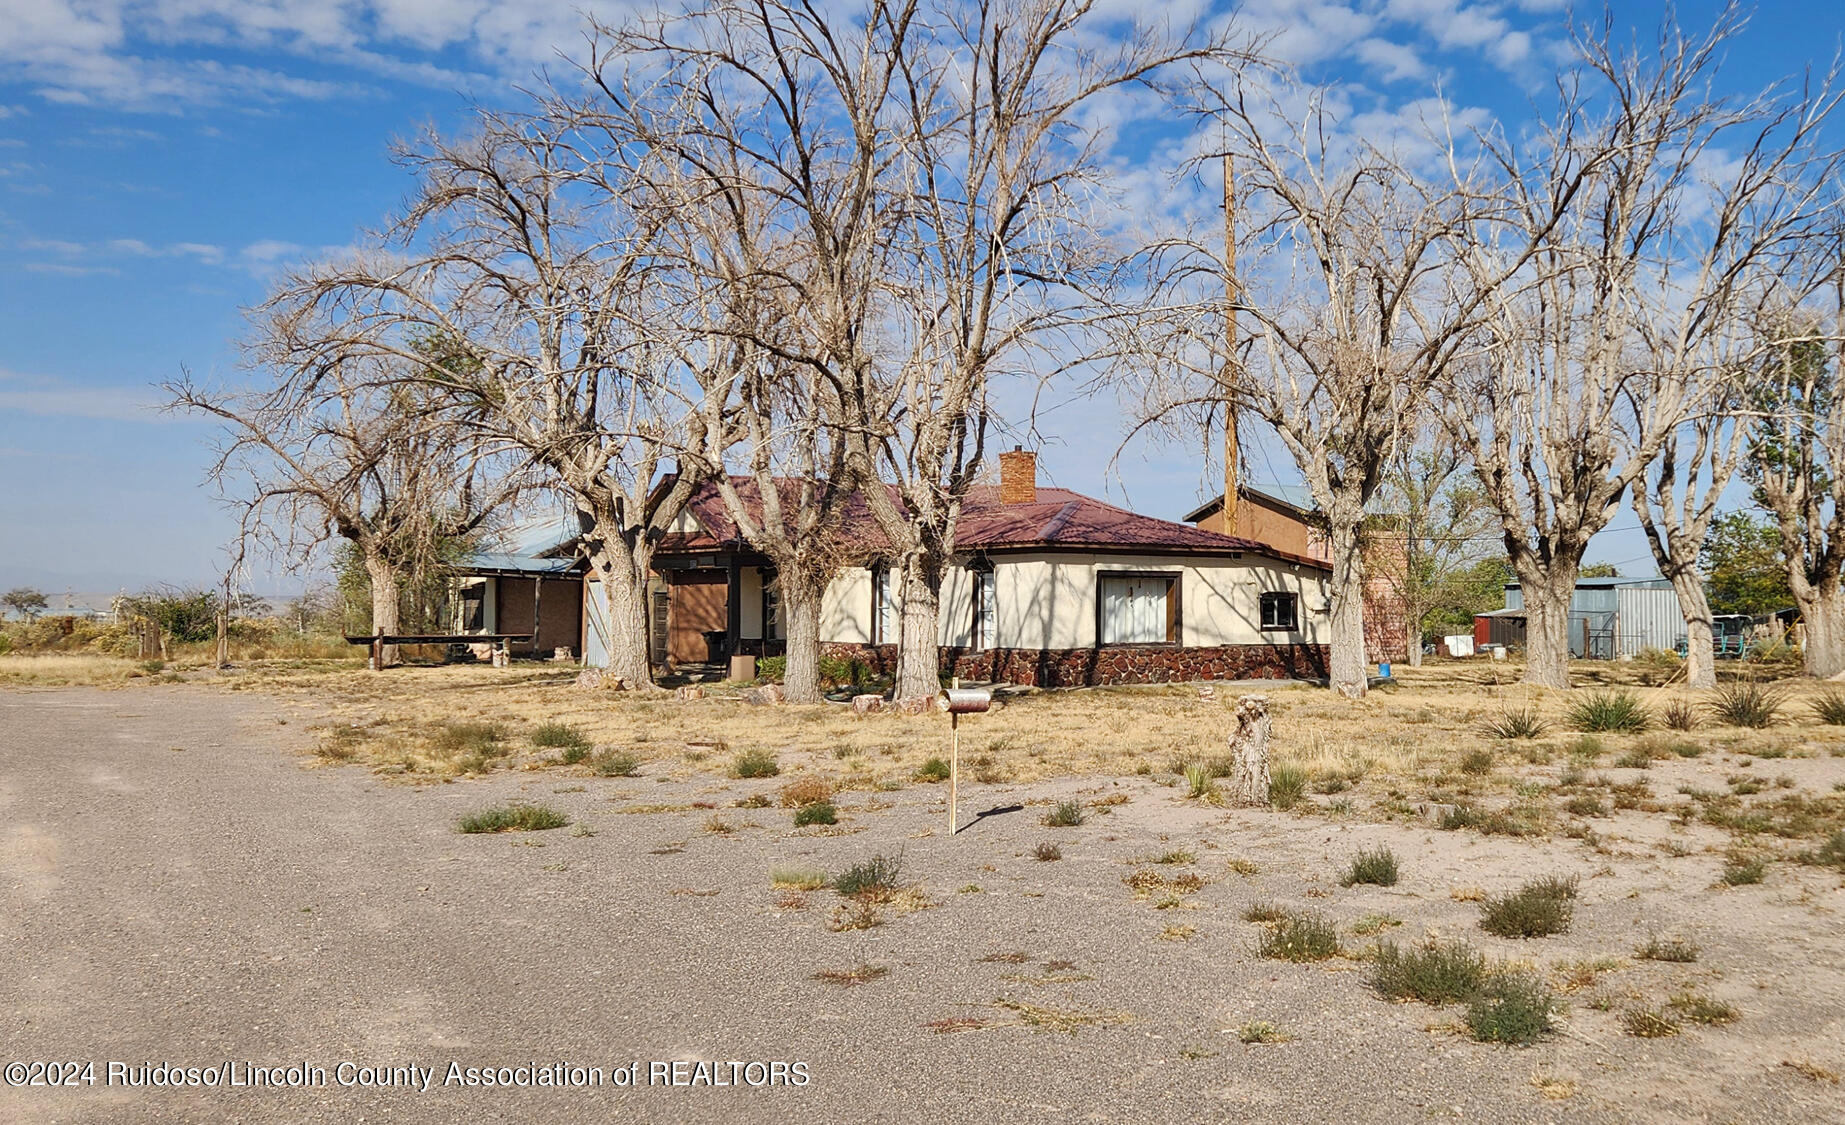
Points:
(1117, 664)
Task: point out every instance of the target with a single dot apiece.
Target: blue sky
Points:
(160, 159)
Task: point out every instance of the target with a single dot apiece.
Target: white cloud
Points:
(122, 248)
(55, 397)
(1394, 62)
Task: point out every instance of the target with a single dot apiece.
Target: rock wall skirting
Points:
(1116, 664)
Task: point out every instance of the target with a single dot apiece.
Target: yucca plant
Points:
(1618, 711)
(1749, 705)
(1681, 715)
(1522, 722)
(1830, 709)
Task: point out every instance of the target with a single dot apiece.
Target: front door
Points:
(699, 607)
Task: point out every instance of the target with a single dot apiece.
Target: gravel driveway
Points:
(183, 886)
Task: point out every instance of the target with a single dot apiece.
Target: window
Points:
(771, 607)
(883, 606)
(1137, 609)
(986, 610)
(471, 608)
(1281, 612)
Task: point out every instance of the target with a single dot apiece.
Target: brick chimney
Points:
(1018, 477)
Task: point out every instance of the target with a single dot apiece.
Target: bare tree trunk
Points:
(1824, 615)
(1412, 643)
(1700, 647)
(1347, 657)
(1249, 780)
(624, 593)
(1547, 629)
(919, 673)
(801, 615)
(383, 578)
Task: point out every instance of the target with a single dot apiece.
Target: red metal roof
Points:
(1057, 520)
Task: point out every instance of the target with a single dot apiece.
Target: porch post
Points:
(538, 586)
(733, 607)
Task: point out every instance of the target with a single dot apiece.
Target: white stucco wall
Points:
(1048, 600)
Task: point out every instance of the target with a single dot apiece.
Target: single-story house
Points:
(515, 593)
(1049, 588)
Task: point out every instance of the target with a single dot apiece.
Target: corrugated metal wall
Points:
(1650, 618)
(1611, 620)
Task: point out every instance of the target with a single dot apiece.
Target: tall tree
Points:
(1605, 345)
(1744, 566)
(24, 601)
(1437, 532)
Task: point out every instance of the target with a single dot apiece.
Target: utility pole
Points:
(1232, 452)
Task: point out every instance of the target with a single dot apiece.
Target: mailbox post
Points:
(959, 701)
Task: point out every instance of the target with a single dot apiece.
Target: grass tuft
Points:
(1478, 762)
(1513, 1006)
(513, 818)
(1374, 868)
(818, 812)
(1537, 909)
(1679, 715)
(1200, 783)
(615, 763)
(1830, 709)
(1287, 785)
(797, 878)
(1300, 937)
(1261, 1031)
(755, 763)
(1671, 950)
(1067, 814)
(1617, 711)
(562, 736)
(935, 769)
(1436, 973)
(1649, 1023)
(873, 879)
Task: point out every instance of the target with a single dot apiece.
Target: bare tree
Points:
(1355, 312)
(933, 167)
(1653, 207)
(339, 452)
(532, 250)
(1796, 458)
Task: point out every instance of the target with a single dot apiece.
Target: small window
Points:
(1137, 609)
(471, 608)
(1281, 612)
(771, 607)
(986, 610)
(883, 606)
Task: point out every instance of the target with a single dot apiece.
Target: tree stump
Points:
(1248, 781)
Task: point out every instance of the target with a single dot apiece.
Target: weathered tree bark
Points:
(1547, 625)
(1347, 650)
(383, 578)
(1249, 730)
(1412, 643)
(1822, 609)
(1700, 646)
(919, 674)
(624, 591)
(801, 617)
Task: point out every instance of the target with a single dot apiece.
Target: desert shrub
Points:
(484, 739)
(1436, 973)
(1587, 748)
(572, 755)
(1513, 1006)
(1634, 759)
(874, 878)
(1510, 723)
(1667, 949)
(1679, 714)
(1375, 868)
(1516, 821)
(797, 878)
(1830, 709)
(935, 769)
(1287, 785)
(755, 763)
(559, 736)
(1749, 705)
(513, 818)
(1744, 872)
(1702, 1009)
(1538, 909)
(1829, 854)
(1265, 911)
(772, 669)
(1299, 937)
(819, 812)
(1585, 805)
(1478, 762)
(615, 763)
(1617, 711)
(804, 791)
(1067, 814)
(1047, 852)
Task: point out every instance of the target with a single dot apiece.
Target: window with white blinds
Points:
(883, 607)
(1137, 609)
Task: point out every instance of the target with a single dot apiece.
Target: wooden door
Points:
(700, 604)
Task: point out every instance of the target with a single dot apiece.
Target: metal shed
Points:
(1613, 617)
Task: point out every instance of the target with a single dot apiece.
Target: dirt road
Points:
(182, 886)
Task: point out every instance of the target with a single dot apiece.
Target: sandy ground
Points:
(184, 883)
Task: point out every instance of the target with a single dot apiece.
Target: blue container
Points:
(1383, 669)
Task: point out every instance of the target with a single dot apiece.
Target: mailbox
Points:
(964, 701)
